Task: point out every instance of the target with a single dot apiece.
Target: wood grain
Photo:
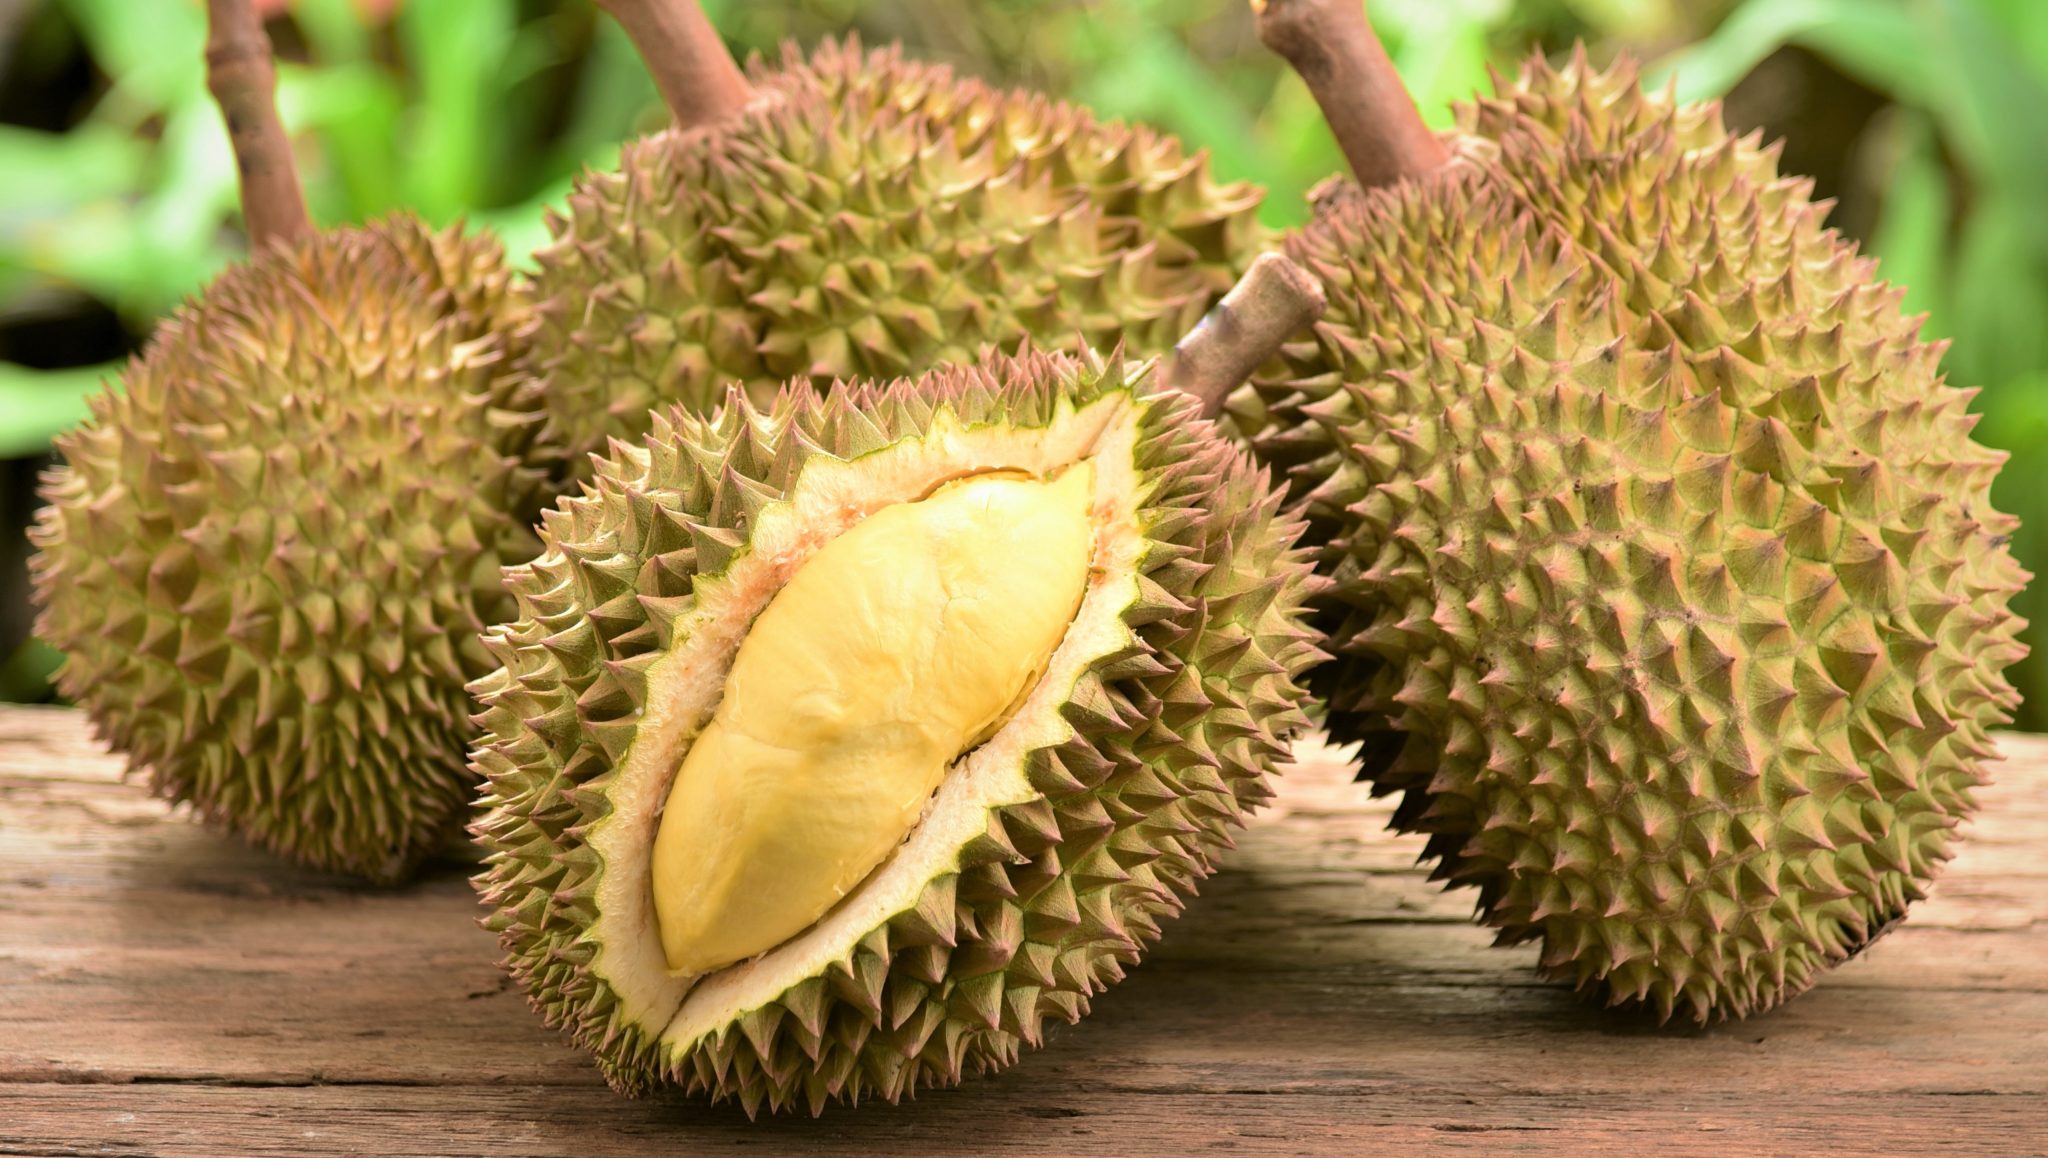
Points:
(164, 992)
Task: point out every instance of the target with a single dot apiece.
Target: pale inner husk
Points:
(684, 689)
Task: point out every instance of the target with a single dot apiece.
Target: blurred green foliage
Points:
(486, 109)
(440, 108)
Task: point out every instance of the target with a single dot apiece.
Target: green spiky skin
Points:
(269, 554)
(1172, 742)
(1667, 588)
(870, 217)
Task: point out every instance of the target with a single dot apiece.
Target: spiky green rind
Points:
(1667, 586)
(1172, 741)
(870, 217)
(267, 556)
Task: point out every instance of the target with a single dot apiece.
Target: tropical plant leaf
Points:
(38, 405)
(152, 52)
(456, 48)
(2016, 420)
(1441, 48)
(49, 173)
(1912, 235)
(1876, 41)
(1999, 295)
(351, 114)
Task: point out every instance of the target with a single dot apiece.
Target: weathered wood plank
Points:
(1062, 1113)
(162, 991)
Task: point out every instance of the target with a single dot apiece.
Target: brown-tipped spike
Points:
(1332, 46)
(1275, 300)
(244, 84)
(697, 76)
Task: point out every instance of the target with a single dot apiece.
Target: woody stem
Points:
(1331, 44)
(697, 76)
(1275, 300)
(243, 81)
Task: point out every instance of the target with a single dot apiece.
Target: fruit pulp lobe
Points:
(905, 641)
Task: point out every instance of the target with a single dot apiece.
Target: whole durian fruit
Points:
(268, 554)
(855, 214)
(1667, 588)
(840, 746)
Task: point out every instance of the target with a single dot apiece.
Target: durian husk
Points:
(1159, 749)
(869, 217)
(1668, 590)
(268, 553)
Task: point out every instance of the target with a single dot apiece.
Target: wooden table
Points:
(165, 992)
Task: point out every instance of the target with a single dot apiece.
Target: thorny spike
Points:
(698, 78)
(1275, 300)
(1332, 46)
(243, 81)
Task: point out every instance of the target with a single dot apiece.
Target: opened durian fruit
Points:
(269, 552)
(841, 745)
(858, 215)
(1667, 589)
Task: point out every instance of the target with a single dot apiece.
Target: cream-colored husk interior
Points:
(684, 689)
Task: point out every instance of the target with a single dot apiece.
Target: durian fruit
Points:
(268, 553)
(841, 745)
(856, 214)
(1667, 591)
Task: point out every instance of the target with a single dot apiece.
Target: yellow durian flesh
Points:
(897, 646)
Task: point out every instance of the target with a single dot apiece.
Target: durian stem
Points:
(1332, 45)
(1275, 300)
(244, 84)
(697, 76)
